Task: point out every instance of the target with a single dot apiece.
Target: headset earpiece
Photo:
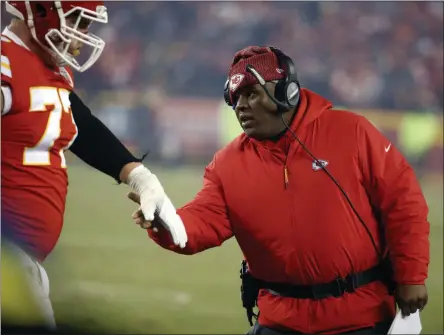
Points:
(279, 91)
(227, 96)
(227, 92)
(292, 93)
(287, 89)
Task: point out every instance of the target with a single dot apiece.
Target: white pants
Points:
(39, 283)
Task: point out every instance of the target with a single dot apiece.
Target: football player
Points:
(42, 117)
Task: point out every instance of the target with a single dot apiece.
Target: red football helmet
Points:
(47, 21)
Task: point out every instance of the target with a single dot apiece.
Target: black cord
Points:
(338, 185)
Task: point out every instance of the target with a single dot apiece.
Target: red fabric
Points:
(33, 188)
(262, 59)
(307, 233)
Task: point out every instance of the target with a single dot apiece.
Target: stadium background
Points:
(158, 86)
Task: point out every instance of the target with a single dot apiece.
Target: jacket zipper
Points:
(286, 181)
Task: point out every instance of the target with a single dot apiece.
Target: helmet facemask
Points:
(64, 43)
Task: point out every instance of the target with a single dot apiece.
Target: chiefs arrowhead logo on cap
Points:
(235, 81)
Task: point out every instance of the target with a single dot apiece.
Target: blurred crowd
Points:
(359, 54)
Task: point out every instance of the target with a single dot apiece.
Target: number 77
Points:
(55, 102)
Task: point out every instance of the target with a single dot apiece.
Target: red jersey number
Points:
(55, 100)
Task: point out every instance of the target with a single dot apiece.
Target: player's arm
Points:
(6, 85)
(97, 146)
(205, 218)
(6, 99)
(396, 193)
(6, 95)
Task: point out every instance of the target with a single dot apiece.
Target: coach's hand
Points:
(138, 217)
(155, 203)
(411, 298)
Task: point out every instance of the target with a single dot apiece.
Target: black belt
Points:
(335, 288)
(250, 286)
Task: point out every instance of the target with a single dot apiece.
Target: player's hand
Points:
(138, 217)
(155, 203)
(411, 298)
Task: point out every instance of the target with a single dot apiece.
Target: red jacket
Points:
(304, 232)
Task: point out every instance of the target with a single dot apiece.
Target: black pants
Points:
(381, 328)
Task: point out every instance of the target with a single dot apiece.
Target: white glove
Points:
(154, 202)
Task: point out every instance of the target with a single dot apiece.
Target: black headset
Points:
(287, 91)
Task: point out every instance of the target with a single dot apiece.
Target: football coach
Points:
(328, 213)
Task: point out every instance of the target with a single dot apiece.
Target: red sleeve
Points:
(6, 77)
(205, 218)
(6, 73)
(395, 192)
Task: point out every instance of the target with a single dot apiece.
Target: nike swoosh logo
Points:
(388, 148)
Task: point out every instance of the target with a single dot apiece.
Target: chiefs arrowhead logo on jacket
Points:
(235, 81)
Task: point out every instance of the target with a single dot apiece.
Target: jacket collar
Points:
(311, 106)
(13, 37)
